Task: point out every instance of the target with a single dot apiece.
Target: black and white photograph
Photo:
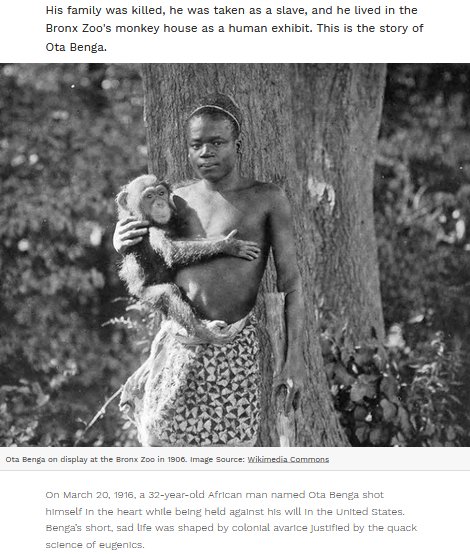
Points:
(234, 255)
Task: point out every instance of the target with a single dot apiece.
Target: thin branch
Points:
(100, 413)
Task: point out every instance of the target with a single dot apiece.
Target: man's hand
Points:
(292, 381)
(128, 232)
(240, 248)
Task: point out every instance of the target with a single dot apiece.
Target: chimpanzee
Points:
(148, 267)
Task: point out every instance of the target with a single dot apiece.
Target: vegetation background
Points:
(70, 135)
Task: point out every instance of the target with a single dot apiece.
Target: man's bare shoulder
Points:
(268, 191)
(273, 196)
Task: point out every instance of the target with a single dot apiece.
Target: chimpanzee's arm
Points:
(186, 252)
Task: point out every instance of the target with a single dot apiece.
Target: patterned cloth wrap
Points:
(193, 393)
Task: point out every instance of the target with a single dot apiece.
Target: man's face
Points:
(212, 147)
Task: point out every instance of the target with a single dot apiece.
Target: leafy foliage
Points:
(394, 396)
(422, 199)
(71, 135)
(422, 208)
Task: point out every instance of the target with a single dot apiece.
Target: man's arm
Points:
(293, 374)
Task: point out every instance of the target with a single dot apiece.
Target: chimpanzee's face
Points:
(146, 198)
(155, 204)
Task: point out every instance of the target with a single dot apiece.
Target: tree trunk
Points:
(335, 144)
(279, 107)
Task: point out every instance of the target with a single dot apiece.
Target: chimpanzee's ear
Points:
(121, 199)
(171, 203)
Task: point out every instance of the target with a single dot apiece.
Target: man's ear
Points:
(121, 200)
(238, 143)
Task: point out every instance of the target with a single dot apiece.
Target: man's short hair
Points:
(219, 105)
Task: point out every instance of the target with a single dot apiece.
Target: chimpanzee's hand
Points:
(128, 232)
(240, 248)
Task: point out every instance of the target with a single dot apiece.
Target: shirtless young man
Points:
(225, 288)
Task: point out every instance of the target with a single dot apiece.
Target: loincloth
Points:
(193, 393)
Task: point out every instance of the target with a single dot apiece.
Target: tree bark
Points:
(335, 144)
(280, 105)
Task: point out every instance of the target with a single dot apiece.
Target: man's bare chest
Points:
(216, 215)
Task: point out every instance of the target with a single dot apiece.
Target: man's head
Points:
(219, 106)
(212, 131)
